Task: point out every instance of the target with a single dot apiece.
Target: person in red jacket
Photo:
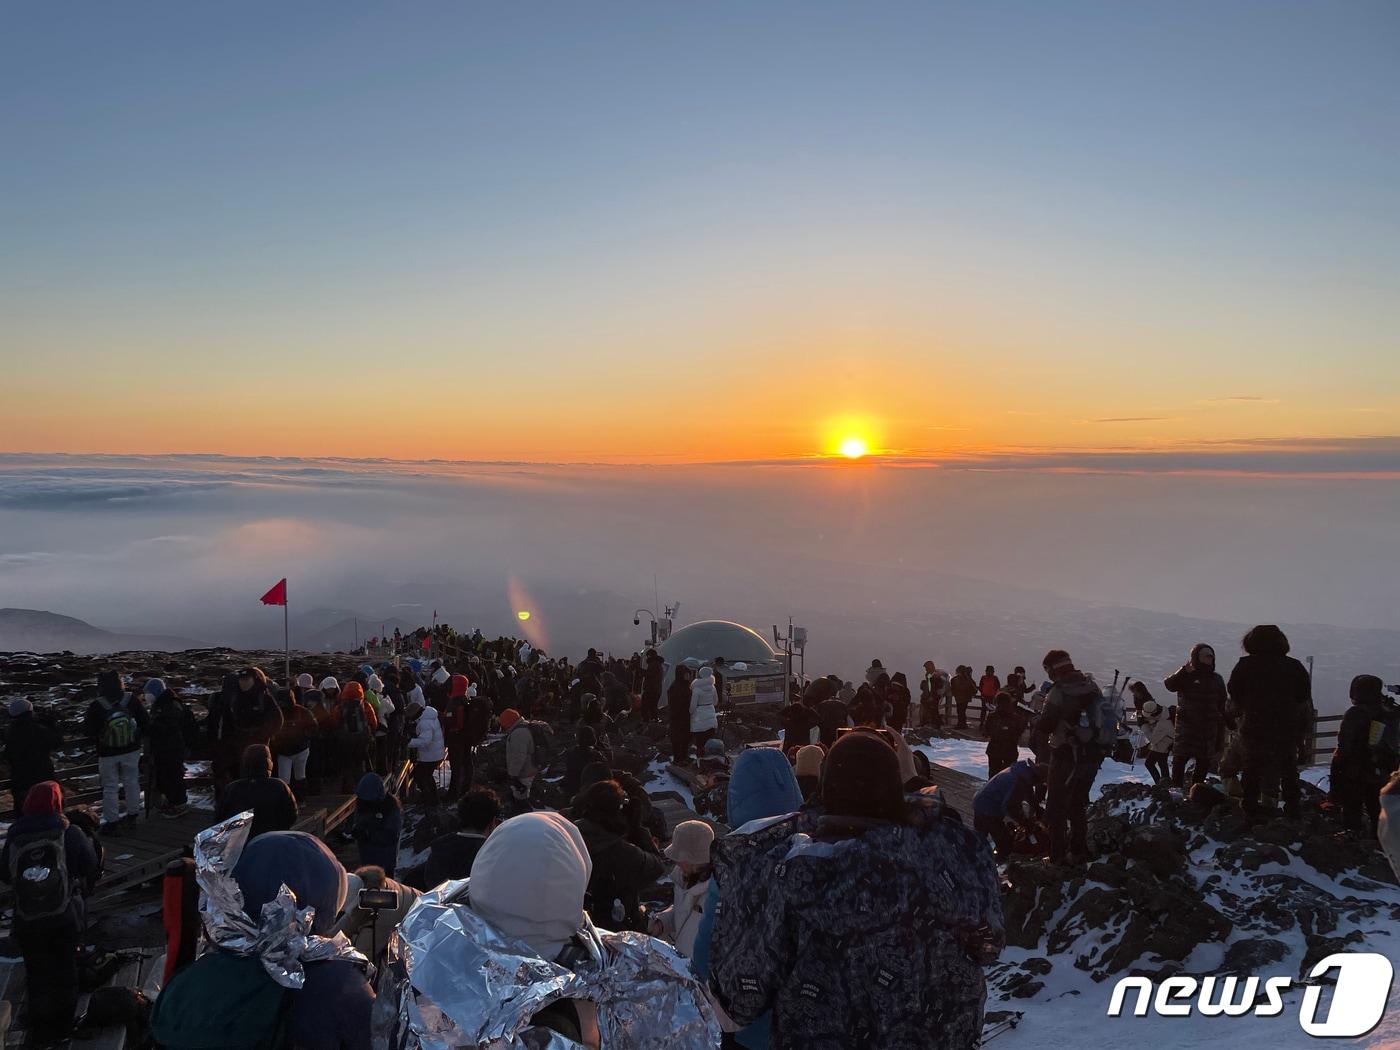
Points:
(987, 689)
(355, 723)
(455, 731)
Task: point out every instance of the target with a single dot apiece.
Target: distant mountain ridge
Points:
(37, 631)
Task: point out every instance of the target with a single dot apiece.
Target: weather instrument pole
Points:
(286, 647)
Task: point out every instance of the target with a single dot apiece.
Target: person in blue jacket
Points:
(1006, 797)
(378, 824)
(762, 785)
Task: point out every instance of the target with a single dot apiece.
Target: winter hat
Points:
(304, 681)
(370, 788)
(375, 684)
(44, 799)
(1366, 688)
(329, 683)
(1151, 708)
(508, 718)
(153, 688)
(299, 861)
(714, 747)
(366, 669)
(809, 760)
(690, 842)
(20, 706)
(862, 779)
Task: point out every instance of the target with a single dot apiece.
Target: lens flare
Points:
(853, 447)
(523, 615)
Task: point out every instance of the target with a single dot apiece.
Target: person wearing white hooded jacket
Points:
(703, 698)
(428, 747)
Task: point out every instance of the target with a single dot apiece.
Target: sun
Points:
(853, 447)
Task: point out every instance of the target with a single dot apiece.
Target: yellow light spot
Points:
(523, 614)
(853, 447)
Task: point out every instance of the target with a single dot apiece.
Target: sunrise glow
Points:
(853, 447)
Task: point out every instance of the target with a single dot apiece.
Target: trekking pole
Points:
(1001, 1028)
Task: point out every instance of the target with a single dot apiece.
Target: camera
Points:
(379, 900)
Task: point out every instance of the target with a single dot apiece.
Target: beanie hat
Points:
(862, 779)
(45, 799)
(690, 842)
(304, 681)
(508, 718)
(329, 683)
(20, 706)
(714, 747)
(809, 761)
(1151, 708)
(154, 688)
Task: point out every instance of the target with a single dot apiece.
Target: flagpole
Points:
(286, 641)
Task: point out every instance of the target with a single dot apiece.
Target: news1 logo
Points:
(1358, 1001)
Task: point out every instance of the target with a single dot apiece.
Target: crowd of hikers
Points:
(773, 933)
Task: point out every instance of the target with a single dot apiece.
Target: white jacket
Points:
(703, 698)
(427, 742)
(681, 921)
(520, 752)
(1159, 731)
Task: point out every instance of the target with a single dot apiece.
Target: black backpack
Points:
(39, 874)
(352, 717)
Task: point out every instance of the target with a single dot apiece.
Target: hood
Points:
(707, 672)
(371, 788)
(1366, 689)
(762, 785)
(1197, 650)
(366, 670)
(44, 799)
(299, 861)
(1265, 640)
(453, 979)
(329, 684)
(440, 675)
(256, 761)
(153, 688)
(375, 684)
(428, 714)
(529, 879)
(304, 681)
(352, 691)
(457, 685)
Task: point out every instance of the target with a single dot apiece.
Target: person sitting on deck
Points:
(271, 801)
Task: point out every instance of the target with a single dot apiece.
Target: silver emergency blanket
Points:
(282, 938)
(453, 981)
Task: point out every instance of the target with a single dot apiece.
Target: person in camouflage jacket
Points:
(868, 926)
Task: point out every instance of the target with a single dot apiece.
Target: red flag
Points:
(427, 643)
(278, 594)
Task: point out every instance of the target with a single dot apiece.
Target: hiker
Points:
(653, 675)
(584, 752)
(1008, 797)
(377, 824)
(291, 744)
(617, 700)
(1016, 685)
(521, 768)
(799, 719)
(456, 733)
(1271, 694)
(690, 849)
(833, 715)
(522, 936)
(1365, 754)
(1004, 727)
(427, 749)
(1073, 721)
(173, 732)
(612, 831)
(933, 689)
(450, 856)
(987, 688)
(703, 699)
(49, 864)
(899, 701)
(381, 699)
(369, 929)
(227, 997)
(873, 672)
(116, 721)
(762, 786)
(30, 741)
(678, 715)
(252, 709)
(1200, 713)
(1159, 728)
(894, 982)
(808, 768)
(355, 724)
(963, 689)
(273, 806)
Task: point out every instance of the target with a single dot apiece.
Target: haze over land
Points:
(977, 566)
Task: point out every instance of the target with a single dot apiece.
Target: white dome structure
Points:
(706, 639)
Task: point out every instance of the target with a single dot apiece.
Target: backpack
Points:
(248, 709)
(223, 1001)
(352, 717)
(1384, 741)
(39, 874)
(1093, 718)
(120, 730)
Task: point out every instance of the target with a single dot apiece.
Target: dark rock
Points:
(1249, 856)
(1026, 989)
(1251, 955)
(1109, 874)
(1037, 965)
(1321, 947)
(1162, 850)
